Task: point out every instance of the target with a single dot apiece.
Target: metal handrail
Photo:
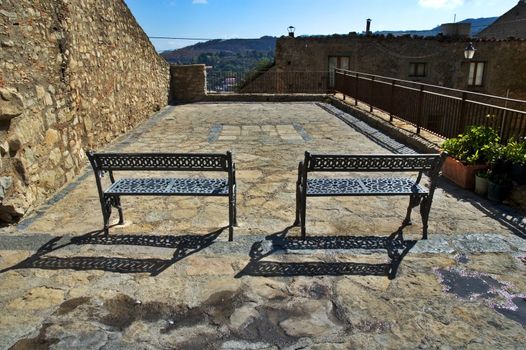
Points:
(443, 111)
(428, 85)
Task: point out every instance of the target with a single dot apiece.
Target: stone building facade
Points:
(434, 60)
(73, 75)
(512, 24)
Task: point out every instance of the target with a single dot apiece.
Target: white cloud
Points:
(204, 2)
(441, 3)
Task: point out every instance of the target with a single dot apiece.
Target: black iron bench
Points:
(136, 186)
(369, 186)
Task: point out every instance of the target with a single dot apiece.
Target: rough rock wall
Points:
(188, 82)
(73, 75)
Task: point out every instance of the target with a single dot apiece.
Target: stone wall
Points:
(188, 82)
(391, 56)
(73, 75)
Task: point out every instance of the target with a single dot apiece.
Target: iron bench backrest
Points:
(160, 161)
(431, 163)
(373, 162)
(110, 162)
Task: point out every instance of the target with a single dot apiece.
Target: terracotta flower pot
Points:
(461, 174)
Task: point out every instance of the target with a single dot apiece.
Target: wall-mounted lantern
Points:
(291, 30)
(469, 51)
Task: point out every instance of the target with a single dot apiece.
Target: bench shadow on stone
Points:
(184, 245)
(394, 244)
(509, 217)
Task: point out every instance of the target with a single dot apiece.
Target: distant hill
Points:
(477, 25)
(237, 47)
(264, 47)
(232, 60)
(237, 59)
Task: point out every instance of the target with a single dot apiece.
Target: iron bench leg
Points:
(234, 194)
(107, 203)
(232, 197)
(298, 197)
(425, 208)
(298, 206)
(118, 205)
(232, 220)
(414, 201)
(106, 213)
(235, 209)
(303, 212)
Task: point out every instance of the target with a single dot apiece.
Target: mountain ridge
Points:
(266, 44)
(477, 25)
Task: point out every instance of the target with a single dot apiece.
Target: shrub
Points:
(478, 145)
(515, 152)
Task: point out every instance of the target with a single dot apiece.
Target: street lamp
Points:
(469, 51)
(291, 30)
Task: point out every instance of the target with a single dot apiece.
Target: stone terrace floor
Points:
(169, 279)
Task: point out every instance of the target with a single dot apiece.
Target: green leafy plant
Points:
(485, 174)
(478, 145)
(499, 178)
(514, 152)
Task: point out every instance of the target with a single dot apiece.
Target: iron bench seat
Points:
(399, 186)
(152, 186)
(169, 187)
(359, 185)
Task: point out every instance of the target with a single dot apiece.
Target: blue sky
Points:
(224, 19)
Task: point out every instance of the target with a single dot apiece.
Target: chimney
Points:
(368, 27)
(456, 30)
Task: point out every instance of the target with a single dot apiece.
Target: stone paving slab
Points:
(437, 244)
(169, 279)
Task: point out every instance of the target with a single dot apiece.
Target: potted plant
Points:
(468, 153)
(482, 182)
(499, 186)
(499, 181)
(515, 154)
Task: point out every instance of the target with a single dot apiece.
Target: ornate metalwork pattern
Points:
(279, 269)
(112, 162)
(126, 265)
(364, 186)
(160, 161)
(173, 186)
(371, 162)
(371, 243)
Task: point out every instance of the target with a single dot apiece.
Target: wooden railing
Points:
(443, 111)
